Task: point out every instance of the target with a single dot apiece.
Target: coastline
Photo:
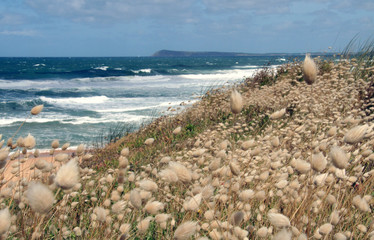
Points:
(295, 159)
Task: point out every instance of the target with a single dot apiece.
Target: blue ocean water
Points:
(83, 97)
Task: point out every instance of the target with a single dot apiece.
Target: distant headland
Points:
(171, 53)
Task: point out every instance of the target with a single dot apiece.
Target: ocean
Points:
(86, 97)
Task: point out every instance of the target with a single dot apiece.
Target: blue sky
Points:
(141, 27)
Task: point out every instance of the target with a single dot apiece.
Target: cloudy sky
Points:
(141, 27)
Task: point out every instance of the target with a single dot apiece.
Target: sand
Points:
(27, 163)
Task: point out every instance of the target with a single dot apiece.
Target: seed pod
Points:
(278, 220)
(309, 70)
(36, 110)
(236, 102)
(356, 134)
(40, 197)
(338, 157)
(55, 144)
(29, 142)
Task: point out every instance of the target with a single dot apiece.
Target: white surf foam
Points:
(26, 84)
(11, 121)
(246, 67)
(39, 64)
(145, 70)
(79, 100)
(102, 68)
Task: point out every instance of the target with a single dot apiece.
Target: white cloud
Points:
(109, 10)
(11, 19)
(25, 33)
(254, 6)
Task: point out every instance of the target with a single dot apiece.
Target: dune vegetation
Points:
(286, 154)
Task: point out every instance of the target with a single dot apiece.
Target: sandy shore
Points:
(12, 174)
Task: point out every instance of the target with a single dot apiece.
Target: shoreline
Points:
(24, 171)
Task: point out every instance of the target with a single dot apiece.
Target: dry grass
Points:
(219, 176)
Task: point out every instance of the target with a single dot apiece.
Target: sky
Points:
(69, 28)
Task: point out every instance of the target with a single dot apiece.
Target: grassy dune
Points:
(289, 157)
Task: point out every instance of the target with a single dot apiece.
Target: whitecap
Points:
(39, 64)
(102, 68)
(145, 70)
(79, 100)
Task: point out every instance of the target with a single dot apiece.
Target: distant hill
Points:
(170, 53)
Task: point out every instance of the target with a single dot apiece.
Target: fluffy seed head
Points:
(262, 232)
(100, 214)
(281, 184)
(275, 141)
(135, 199)
(5, 220)
(40, 197)
(77, 231)
(37, 109)
(236, 102)
(65, 146)
(332, 131)
(302, 166)
(207, 192)
(260, 195)
(248, 144)
(29, 141)
(149, 141)
(234, 167)
(154, 207)
(182, 172)
(144, 224)
(334, 217)
(278, 220)
(118, 207)
(148, 185)
(125, 152)
(162, 217)
(68, 175)
(193, 204)
(168, 175)
(245, 195)
(356, 134)
(9, 142)
(36, 153)
(124, 228)
(338, 157)
(237, 218)
(325, 229)
(177, 130)
(361, 203)
(309, 70)
(318, 162)
(20, 142)
(62, 157)
(4, 154)
(55, 144)
(362, 228)
(80, 150)
(41, 164)
(340, 236)
(278, 114)
(185, 230)
(123, 162)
